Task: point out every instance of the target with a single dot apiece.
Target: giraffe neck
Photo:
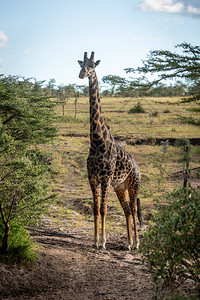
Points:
(98, 129)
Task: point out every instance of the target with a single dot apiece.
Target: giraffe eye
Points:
(91, 65)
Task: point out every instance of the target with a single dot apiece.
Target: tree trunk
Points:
(7, 226)
(75, 107)
(5, 238)
(63, 107)
(186, 175)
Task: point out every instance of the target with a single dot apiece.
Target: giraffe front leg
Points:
(103, 210)
(96, 210)
(96, 232)
(103, 232)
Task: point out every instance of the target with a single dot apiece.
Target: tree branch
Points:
(9, 173)
(9, 119)
(169, 65)
(11, 208)
(2, 214)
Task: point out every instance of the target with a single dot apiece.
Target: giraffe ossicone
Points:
(109, 164)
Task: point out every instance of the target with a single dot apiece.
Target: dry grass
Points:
(167, 123)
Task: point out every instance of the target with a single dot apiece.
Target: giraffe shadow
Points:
(116, 247)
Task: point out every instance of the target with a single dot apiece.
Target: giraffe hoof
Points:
(136, 245)
(129, 247)
(102, 247)
(95, 246)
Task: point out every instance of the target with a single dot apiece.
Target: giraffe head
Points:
(87, 66)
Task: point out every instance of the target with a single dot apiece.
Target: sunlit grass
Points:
(165, 123)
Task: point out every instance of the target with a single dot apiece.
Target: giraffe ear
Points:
(97, 63)
(80, 63)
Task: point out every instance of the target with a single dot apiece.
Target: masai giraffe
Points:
(108, 163)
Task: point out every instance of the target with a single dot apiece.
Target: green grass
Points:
(70, 151)
(21, 249)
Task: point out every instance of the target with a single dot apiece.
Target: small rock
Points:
(100, 293)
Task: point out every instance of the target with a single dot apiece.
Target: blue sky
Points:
(45, 38)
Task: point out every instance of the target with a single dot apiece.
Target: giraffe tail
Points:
(139, 212)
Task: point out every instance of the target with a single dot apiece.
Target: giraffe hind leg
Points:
(139, 212)
(103, 211)
(122, 194)
(133, 189)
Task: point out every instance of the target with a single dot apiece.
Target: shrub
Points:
(24, 192)
(190, 120)
(26, 120)
(171, 245)
(154, 114)
(185, 157)
(21, 249)
(136, 109)
(195, 109)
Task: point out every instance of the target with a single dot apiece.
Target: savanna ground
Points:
(68, 268)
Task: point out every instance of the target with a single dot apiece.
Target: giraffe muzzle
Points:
(82, 74)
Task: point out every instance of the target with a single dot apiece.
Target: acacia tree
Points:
(62, 96)
(173, 65)
(114, 82)
(51, 87)
(26, 118)
(78, 91)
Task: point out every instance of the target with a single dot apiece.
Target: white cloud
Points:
(193, 10)
(168, 6)
(161, 6)
(3, 39)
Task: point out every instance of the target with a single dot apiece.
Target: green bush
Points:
(190, 120)
(26, 120)
(136, 109)
(171, 247)
(24, 194)
(195, 109)
(21, 249)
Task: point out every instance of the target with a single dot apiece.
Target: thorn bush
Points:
(171, 246)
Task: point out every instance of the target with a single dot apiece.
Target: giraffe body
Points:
(108, 164)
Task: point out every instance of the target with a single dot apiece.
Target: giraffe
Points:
(109, 164)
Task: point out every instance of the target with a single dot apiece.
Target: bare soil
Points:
(68, 268)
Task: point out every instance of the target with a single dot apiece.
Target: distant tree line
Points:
(116, 86)
(135, 88)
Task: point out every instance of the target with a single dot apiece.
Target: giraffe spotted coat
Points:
(108, 163)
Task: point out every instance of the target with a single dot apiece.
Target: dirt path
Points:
(69, 269)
